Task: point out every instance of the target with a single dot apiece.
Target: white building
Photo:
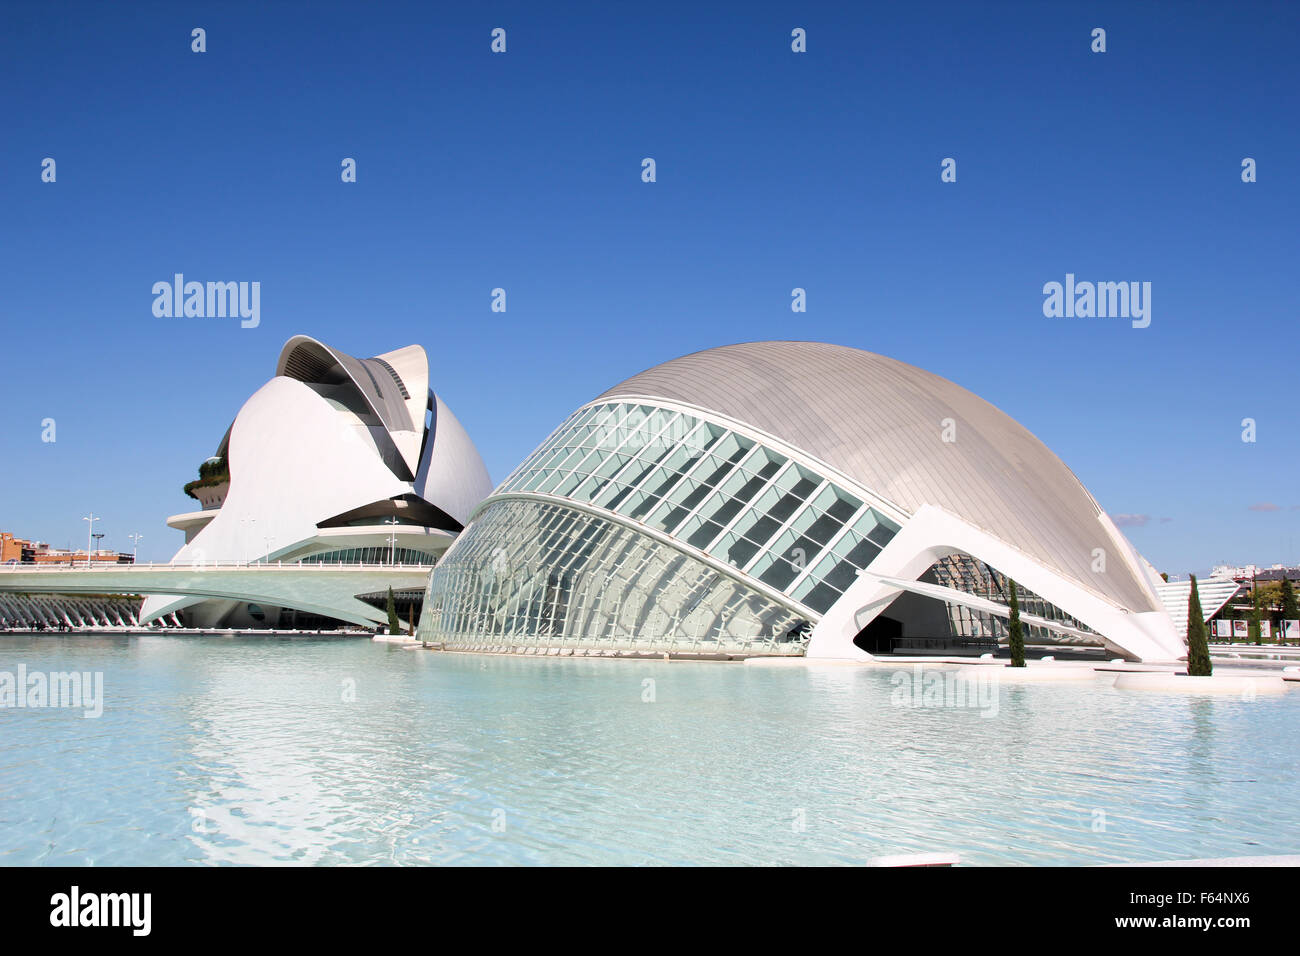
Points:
(335, 460)
(791, 498)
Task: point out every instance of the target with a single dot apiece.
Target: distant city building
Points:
(1276, 573)
(12, 550)
(1231, 618)
(15, 550)
(1250, 572)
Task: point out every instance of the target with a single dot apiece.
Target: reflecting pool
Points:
(334, 751)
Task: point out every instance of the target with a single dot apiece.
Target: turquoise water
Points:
(246, 751)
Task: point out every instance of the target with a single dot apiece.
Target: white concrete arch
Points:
(932, 534)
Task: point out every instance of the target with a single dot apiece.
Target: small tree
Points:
(1289, 612)
(1198, 648)
(394, 625)
(1256, 614)
(1015, 633)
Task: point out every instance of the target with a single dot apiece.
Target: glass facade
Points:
(531, 573)
(702, 484)
(380, 555)
(964, 573)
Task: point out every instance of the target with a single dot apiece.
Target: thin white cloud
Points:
(1130, 521)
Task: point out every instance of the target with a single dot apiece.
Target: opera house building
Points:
(334, 461)
(770, 498)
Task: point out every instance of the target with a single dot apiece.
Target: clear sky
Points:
(775, 170)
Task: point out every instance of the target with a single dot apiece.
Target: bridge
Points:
(330, 590)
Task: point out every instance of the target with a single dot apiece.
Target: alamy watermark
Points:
(211, 300)
(972, 687)
(74, 908)
(1101, 300)
(38, 690)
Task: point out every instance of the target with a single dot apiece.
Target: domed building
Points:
(334, 461)
(792, 498)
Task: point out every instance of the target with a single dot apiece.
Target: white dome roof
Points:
(880, 422)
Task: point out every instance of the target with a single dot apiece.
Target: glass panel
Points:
(699, 533)
(818, 528)
(542, 480)
(567, 485)
(689, 493)
(597, 583)
(574, 456)
(757, 526)
(838, 574)
(779, 573)
(821, 597)
(635, 502)
(734, 550)
(764, 463)
(838, 504)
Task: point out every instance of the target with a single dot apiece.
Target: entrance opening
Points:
(879, 636)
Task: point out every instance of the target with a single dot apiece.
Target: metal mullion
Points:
(690, 472)
(748, 506)
(717, 488)
(830, 545)
(633, 457)
(751, 507)
(766, 549)
(614, 451)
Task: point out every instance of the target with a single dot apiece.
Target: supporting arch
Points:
(932, 534)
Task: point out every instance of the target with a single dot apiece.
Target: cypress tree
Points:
(394, 625)
(1198, 648)
(1289, 612)
(1256, 613)
(1015, 633)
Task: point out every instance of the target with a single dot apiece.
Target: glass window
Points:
(763, 463)
(743, 485)
(816, 527)
(546, 481)
(838, 504)
(876, 527)
(817, 596)
(757, 525)
(858, 551)
(699, 533)
(734, 550)
(839, 574)
(712, 469)
(775, 571)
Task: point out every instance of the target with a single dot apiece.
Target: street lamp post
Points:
(99, 536)
(90, 533)
(135, 551)
(392, 539)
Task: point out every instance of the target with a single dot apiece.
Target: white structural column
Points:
(933, 533)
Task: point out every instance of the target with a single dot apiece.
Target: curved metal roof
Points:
(444, 464)
(399, 407)
(880, 422)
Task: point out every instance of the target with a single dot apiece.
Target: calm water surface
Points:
(312, 751)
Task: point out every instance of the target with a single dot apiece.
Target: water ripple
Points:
(303, 751)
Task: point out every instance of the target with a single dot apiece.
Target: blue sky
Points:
(775, 170)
